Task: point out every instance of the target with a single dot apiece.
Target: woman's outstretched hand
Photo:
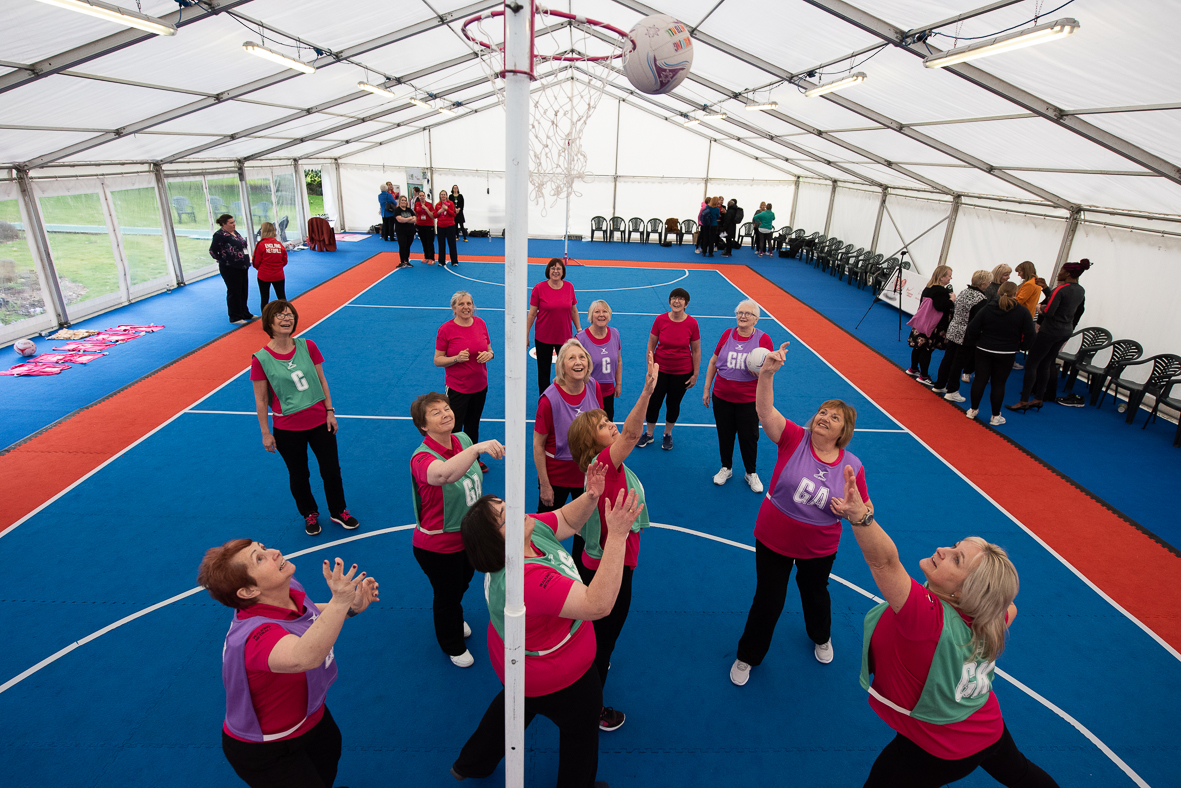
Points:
(851, 507)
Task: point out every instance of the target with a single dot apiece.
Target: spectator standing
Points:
(460, 219)
(228, 248)
(270, 257)
(998, 332)
(386, 205)
(923, 345)
(445, 212)
(424, 224)
(959, 356)
(764, 224)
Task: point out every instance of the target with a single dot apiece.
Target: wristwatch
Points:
(864, 521)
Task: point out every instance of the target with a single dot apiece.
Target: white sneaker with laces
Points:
(752, 479)
(467, 631)
(997, 421)
(972, 413)
(823, 652)
(739, 673)
(722, 476)
(954, 396)
(464, 660)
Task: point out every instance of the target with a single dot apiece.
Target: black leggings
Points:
(426, 234)
(903, 764)
(607, 629)
(737, 419)
(673, 387)
(292, 446)
(708, 238)
(308, 761)
(561, 494)
(450, 574)
(964, 361)
(405, 241)
(468, 408)
(760, 240)
(991, 369)
(773, 571)
(920, 359)
(545, 359)
(264, 290)
(575, 710)
(1041, 379)
(447, 236)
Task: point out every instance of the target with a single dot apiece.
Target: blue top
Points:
(710, 217)
(386, 204)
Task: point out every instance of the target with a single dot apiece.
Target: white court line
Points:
(482, 420)
(588, 290)
(173, 418)
(1160, 641)
(151, 609)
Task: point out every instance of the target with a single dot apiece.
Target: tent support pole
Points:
(1067, 241)
(247, 211)
(709, 149)
(832, 198)
(166, 223)
(36, 231)
(795, 200)
(951, 217)
(518, 64)
(877, 225)
(302, 209)
(430, 158)
(615, 172)
(339, 197)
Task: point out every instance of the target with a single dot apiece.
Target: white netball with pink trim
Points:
(754, 361)
(659, 54)
(25, 347)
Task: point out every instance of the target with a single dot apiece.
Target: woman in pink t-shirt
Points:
(561, 682)
(573, 392)
(463, 349)
(554, 308)
(675, 342)
(932, 683)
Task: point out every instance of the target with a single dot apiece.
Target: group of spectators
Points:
(719, 223)
(983, 327)
(404, 218)
(919, 644)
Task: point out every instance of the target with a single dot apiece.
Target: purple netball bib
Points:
(604, 358)
(240, 717)
(564, 414)
(731, 363)
(806, 486)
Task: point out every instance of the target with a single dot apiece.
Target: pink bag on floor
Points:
(925, 320)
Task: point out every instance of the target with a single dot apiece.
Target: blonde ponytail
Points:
(986, 595)
(1007, 296)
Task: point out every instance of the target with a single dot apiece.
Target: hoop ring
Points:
(548, 12)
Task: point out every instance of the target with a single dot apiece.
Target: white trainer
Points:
(997, 421)
(467, 631)
(722, 476)
(823, 652)
(739, 672)
(972, 413)
(954, 396)
(966, 378)
(752, 479)
(464, 660)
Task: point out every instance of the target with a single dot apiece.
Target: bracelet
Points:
(351, 612)
(330, 410)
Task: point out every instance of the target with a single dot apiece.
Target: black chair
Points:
(826, 253)
(1123, 352)
(598, 224)
(654, 226)
(635, 226)
(746, 231)
(780, 239)
(883, 274)
(688, 227)
(865, 268)
(1166, 398)
(615, 225)
(218, 205)
(283, 228)
(841, 261)
(848, 261)
(810, 244)
(1165, 367)
(1094, 339)
(183, 208)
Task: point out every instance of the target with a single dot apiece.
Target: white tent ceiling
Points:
(1089, 121)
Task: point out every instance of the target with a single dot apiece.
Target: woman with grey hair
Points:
(463, 349)
(734, 399)
(603, 346)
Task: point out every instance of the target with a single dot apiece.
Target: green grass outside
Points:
(315, 204)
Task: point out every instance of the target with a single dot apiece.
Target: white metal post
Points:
(167, 227)
(947, 234)
(518, 70)
(247, 217)
(1067, 242)
(302, 209)
(877, 225)
(795, 200)
(832, 198)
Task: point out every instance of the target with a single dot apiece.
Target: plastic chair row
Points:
(626, 228)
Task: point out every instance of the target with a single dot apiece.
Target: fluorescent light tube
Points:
(691, 121)
(121, 16)
(836, 84)
(377, 90)
(278, 57)
(445, 109)
(713, 116)
(1015, 40)
(768, 105)
(419, 102)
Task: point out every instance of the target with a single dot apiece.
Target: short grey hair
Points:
(460, 294)
(597, 303)
(751, 306)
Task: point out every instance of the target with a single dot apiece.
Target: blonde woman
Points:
(603, 346)
(1000, 275)
(270, 258)
(932, 650)
(960, 357)
(573, 391)
(923, 346)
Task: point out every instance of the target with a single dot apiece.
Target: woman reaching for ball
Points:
(734, 400)
(932, 651)
(794, 525)
(574, 391)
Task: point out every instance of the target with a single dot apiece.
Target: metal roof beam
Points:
(966, 15)
(1006, 90)
(113, 43)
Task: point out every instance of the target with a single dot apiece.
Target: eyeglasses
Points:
(745, 314)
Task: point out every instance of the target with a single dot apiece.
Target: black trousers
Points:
(1040, 381)
(607, 629)
(426, 234)
(461, 225)
(450, 574)
(920, 359)
(609, 406)
(760, 240)
(545, 359)
(293, 448)
(991, 369)
(737, 419)
(308, 761)
(575, 710)
(561, 494)
(264, 291)
(964, 361)
(447, 236)
(945, 366)
(468, 408)
(709, 236)
(237, 291)
(903, 764)
(670, 386)
(773, 572)
(405, 233)
(387, 228)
